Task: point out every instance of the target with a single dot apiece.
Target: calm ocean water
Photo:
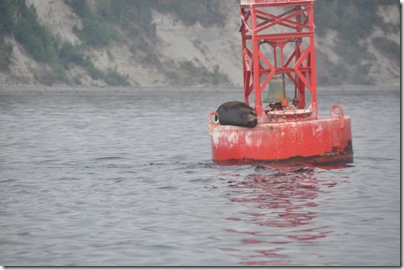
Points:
(127, 180)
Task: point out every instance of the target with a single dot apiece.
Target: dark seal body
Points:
(236, 113)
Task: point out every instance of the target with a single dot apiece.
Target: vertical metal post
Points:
(258, 18)
(256, 63)
(313, 70)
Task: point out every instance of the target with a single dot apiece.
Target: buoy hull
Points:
(323, 140)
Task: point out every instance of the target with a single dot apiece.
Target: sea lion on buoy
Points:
(236, 113)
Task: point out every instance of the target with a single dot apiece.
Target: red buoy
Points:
(278, 55)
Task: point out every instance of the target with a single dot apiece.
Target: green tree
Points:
(6, 17)
(36, 39)
(5, 52)
(96, 31)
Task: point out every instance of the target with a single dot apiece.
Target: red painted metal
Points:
(278, 39)
(260, 27)
(326, 139)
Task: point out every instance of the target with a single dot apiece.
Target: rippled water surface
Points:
(126, 179)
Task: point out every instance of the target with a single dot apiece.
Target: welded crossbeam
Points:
(265, 2)
(290, 34)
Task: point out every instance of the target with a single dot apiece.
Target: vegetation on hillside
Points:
(131, 22)
(109, 21)
(21, 22)
(354, 20)
(6, 27)
(96, 31)
(207, 13)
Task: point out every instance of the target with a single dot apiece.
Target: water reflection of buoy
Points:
(278, 54)
(280, 211)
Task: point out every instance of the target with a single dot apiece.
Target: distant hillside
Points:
(176, 42)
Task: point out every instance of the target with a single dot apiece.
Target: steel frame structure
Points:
(259, 25)
(284, 133)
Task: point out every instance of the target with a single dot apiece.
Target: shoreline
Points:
(6, 89)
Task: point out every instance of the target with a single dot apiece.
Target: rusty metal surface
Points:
(284, 132)
(320, 160)
(323, 137)
(260, 27)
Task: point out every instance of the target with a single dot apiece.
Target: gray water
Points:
(126, 179)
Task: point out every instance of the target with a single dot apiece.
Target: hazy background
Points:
(175, 42)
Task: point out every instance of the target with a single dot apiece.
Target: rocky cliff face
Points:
(181, 54)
